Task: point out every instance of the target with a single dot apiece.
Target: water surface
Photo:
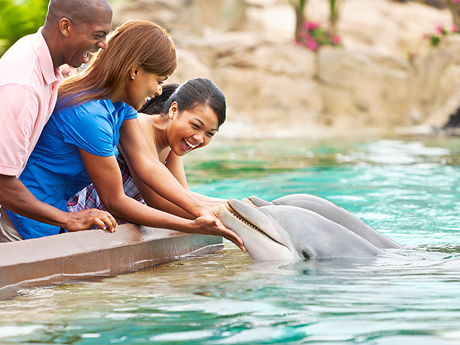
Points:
(407, 189)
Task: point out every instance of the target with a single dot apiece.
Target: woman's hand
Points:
(210, 211)
(210, 225)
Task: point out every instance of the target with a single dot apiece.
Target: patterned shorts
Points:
(88, 198)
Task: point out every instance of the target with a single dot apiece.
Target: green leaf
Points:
(18, 19)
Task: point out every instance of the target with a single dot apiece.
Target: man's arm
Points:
(17, 198)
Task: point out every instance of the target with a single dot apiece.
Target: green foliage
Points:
(19, 18)
(441, 32)
(454, 7)
(314, 38)
(333, 16)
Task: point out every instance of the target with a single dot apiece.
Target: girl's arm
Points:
(153, 173)
(176, 166)
(105, 174)
(154, 200)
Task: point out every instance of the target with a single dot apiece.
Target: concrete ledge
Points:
(95, 253)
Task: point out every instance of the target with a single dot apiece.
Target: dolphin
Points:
(285, 232)
(332, 212)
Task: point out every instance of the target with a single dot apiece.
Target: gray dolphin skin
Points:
(286, 232)
(335, 213)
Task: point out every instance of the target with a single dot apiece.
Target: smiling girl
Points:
(184, 118)
(96, 117)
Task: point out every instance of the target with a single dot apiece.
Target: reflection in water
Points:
(407, 190)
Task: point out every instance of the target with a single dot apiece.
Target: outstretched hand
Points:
(211, 225)
(86, 219)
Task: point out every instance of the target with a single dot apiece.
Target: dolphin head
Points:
(282, 232)
(263, 238)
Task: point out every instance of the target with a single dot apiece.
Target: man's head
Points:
(82, 27)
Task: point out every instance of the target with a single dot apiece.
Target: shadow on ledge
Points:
(94, 253)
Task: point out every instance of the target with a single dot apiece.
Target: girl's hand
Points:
(210, 225)
(210, 211)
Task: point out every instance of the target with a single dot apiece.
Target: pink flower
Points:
(439, 27)
(304, 35)
(454, 28)
(336, 40)
(311, 44)
(454, 2)
(310, 26)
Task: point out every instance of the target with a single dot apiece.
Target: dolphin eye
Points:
(305, 254)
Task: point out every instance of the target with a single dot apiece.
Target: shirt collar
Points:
(111, 107)
(50, 74)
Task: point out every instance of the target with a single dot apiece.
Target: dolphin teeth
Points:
(237, 216)
(241, 219)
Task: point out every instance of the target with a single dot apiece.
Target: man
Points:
(29, 80)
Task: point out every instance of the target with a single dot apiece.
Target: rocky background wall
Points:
(384, 79)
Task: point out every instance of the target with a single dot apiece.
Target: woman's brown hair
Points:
(134, 44)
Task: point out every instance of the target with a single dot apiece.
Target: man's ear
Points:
(65, 26)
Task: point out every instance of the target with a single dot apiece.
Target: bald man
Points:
(29, 81)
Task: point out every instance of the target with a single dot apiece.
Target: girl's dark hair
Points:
(194, 93)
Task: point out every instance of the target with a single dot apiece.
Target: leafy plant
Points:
(333, 16)
(454, 7)
(299, 8)
(19, 18)
(441, 31)
(314, 36)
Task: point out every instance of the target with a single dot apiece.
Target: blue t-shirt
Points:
(55, 169)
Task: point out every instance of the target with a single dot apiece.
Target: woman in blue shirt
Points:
(95, 117)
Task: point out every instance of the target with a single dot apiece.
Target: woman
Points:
(184, 118)
(94, 116)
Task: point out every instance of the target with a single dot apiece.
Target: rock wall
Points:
(275, 88)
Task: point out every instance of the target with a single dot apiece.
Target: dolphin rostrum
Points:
(285, 232)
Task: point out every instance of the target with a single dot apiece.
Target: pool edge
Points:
(96, 253)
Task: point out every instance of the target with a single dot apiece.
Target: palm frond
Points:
(19, 18)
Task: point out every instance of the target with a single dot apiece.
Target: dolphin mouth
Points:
(242, 219)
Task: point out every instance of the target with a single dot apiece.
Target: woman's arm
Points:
(153, 173)
(105, 174)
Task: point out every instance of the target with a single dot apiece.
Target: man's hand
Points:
(84, 220)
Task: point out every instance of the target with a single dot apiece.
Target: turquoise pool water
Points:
(407, 189)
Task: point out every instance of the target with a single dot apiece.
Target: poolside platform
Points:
(94, 254)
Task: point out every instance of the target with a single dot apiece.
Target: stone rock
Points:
(275, 88)
(382, 26)
(369, 88)
(435, 87)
